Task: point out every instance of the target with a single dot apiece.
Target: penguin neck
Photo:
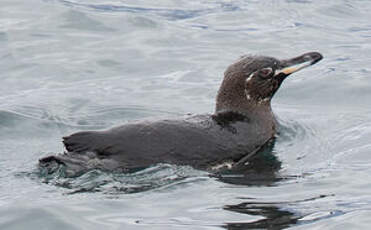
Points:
(257, 111)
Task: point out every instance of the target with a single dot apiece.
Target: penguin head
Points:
(253, 80)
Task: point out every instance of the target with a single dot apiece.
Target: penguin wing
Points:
(83, 141)
(144, 138)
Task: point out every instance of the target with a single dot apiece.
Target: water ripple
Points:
(168, 13)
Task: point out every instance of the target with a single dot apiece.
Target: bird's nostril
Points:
(308, 57)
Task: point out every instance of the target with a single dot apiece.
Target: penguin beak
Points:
(298, 63)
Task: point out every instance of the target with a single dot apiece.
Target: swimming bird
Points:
(241, 124)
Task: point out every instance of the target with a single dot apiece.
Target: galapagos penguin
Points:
(242, 123)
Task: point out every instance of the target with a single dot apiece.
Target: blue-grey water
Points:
(70, 65)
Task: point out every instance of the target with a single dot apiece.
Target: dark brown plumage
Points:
(243, 122)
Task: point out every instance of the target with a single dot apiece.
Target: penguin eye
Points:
(265, 73)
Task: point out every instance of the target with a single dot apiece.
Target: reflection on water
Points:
(277, 215)
(259, 169)
(273, 216)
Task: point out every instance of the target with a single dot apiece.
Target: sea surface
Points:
(71, 65)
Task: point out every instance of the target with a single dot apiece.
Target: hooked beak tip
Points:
(295, 64)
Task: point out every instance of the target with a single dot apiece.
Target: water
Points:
(76, 65)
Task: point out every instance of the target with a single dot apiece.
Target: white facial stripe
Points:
(249, 78)
(249, 97)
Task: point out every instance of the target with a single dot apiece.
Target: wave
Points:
(176, 13)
